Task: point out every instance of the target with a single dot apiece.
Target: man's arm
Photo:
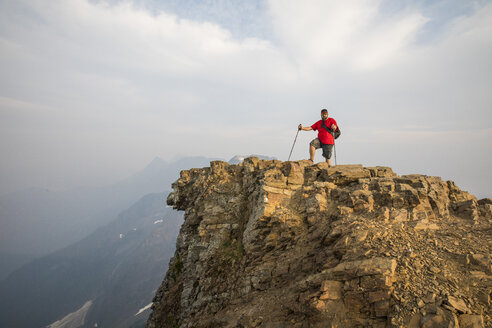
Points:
(333, 125)
(307, 128)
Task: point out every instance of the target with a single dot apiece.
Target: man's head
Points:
(324, 114)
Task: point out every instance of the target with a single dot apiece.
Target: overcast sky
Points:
(92, 91)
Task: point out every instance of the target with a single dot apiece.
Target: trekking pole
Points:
(335, 150)
(293, 144)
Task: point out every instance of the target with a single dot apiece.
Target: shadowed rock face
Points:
(289, 244)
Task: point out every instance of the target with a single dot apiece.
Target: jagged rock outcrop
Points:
(290, 244)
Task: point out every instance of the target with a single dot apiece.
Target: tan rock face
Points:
(290, 244)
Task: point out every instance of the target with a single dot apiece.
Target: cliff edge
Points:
(290, 244)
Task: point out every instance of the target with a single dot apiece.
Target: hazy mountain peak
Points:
(240, 158)
(157, 162)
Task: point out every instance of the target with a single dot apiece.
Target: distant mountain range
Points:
(37, 222)
(107, 277)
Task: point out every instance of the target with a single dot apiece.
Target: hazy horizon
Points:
(91, 91)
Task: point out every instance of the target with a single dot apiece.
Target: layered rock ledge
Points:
(290, 244)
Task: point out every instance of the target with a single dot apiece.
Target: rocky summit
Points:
(291, 244)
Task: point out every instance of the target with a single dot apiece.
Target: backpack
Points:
(335, 133)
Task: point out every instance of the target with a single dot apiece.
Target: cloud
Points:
(125, 41)
(350, 33)
(94, 80)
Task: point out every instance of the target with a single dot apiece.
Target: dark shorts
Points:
(327, 149)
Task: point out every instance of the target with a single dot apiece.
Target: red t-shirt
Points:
(323, 135)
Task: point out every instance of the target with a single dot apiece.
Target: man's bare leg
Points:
(328, 161)
(312, 150)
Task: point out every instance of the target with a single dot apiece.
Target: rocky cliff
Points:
(290, 244)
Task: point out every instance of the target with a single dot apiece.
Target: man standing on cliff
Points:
(325, 138)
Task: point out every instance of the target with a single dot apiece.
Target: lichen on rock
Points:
(291, 244)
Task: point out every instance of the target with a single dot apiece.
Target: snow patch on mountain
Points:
(148, 306)
(74, 319)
